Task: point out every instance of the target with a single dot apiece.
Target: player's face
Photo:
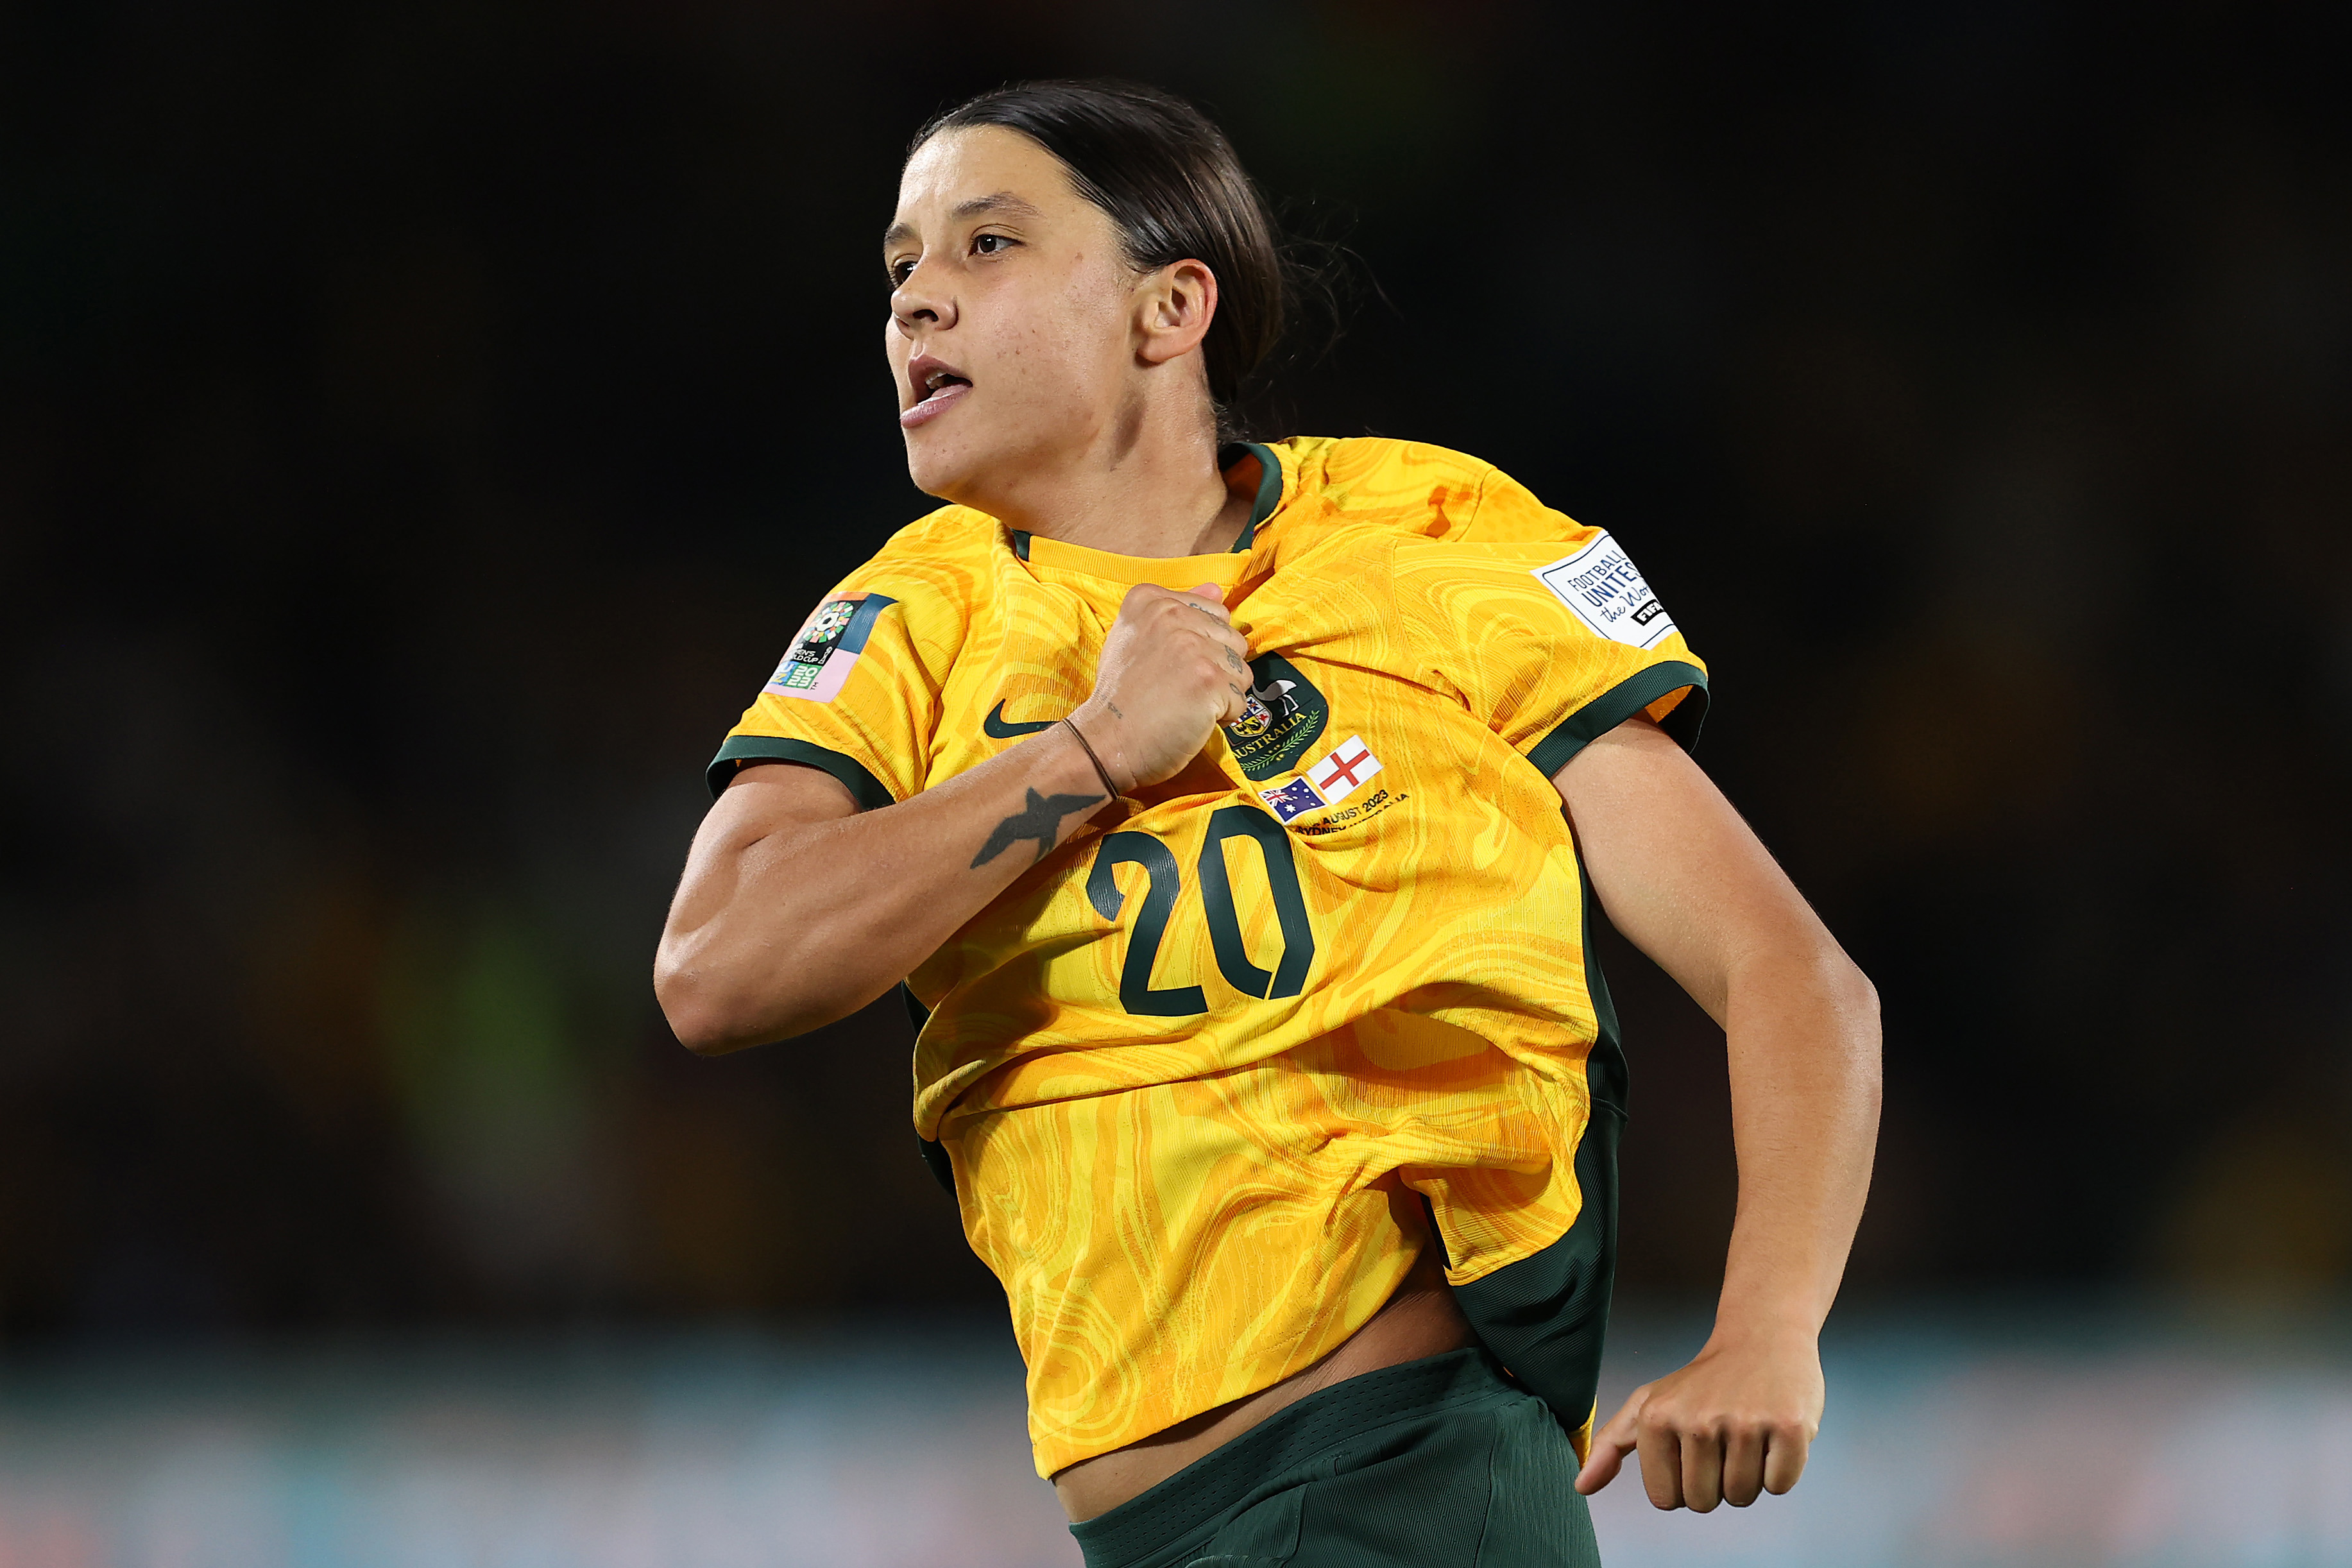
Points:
(1011, 315)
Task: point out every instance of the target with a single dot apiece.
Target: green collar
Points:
(1269, 486)
(1269, 493)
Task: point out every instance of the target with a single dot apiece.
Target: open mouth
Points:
(939, 381)
(935, 384)
(936, 387)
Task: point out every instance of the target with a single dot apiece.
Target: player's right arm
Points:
(796, 908)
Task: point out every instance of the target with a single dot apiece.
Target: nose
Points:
(920, 300)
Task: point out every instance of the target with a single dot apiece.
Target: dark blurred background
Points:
(421, 428)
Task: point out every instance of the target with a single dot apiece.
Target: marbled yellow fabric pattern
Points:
(1188, 1205)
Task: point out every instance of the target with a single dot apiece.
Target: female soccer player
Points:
(1209, 798)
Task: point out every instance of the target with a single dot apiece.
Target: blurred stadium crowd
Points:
(422, 425)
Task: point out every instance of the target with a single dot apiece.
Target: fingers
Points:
(1208, 619)
(1208, 615)
(1173, 666)
(1220, 620)
(1784, 1460)
(1700, 1465)
(1610, 1446)
(1743, 1466)
(1702, 1470)
(1732, 1425)
(1661, 1448)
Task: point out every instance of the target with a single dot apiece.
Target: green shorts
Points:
(1442, 1463)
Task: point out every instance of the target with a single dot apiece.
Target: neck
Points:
(1156, 492)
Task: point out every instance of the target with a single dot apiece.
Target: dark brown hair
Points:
(1168, 179)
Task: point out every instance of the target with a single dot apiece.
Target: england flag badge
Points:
(1343, 771)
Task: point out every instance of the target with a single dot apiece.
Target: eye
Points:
(992, 244)
(900, 271)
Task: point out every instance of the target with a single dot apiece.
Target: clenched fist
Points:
(1172, 669)
(1737, 1420)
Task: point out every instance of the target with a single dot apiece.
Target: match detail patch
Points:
(1600, 584)
(1341, 773)
(828, 647)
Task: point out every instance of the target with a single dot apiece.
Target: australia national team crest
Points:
(828, 647)
(1283, 717)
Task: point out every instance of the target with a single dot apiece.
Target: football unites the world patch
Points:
(1600, 584)
(827, 648)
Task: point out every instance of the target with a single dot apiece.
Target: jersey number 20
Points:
(1165, 881)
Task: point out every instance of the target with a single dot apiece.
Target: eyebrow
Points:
(1001, 203)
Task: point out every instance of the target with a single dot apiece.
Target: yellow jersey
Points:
(1205, 1074)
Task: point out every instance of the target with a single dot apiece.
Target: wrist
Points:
(1093, 759)
(1100, 737)
(1764, 1329)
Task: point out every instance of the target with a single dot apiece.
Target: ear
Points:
(1173, 308)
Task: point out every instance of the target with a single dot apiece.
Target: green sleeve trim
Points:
(1620, 703)
(871, 796)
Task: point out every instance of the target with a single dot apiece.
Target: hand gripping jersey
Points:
(1202, 1075)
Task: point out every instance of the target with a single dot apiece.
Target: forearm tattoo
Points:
(1039, 818)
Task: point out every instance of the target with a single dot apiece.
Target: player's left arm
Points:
(1682, 876)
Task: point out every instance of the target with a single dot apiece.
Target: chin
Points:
(973, 462)
(937, 468)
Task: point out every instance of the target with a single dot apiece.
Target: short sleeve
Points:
(852, 696)
(1551, 638)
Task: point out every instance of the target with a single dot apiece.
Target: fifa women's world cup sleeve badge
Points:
(828, 647)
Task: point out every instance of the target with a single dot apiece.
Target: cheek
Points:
(1072, 346)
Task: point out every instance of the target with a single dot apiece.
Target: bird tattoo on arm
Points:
(1040, 818)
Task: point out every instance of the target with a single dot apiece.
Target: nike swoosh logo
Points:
(995, 727)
